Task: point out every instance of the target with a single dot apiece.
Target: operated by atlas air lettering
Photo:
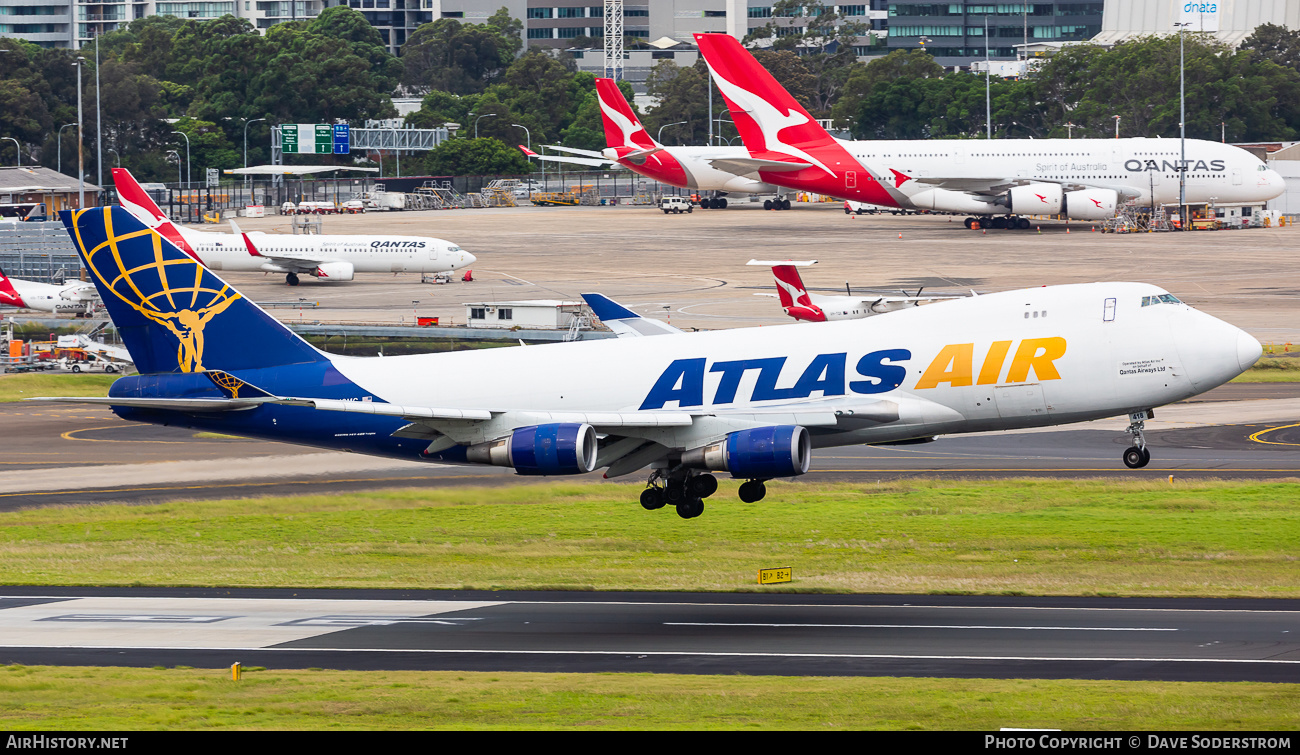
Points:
(999, 180)
(328, 258)
(750, 402)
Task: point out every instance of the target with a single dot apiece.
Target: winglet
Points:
(623, 321)
(527, 151)
(248, 243)
(606, 308)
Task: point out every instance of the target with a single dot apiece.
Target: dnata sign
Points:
(1198, 16)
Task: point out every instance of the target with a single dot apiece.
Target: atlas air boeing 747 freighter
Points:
(751, 402)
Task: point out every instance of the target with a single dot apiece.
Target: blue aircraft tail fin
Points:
(174, 314)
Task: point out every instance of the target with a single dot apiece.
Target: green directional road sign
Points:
(307, 138)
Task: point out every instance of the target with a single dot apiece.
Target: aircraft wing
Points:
(623, 321)
(576, 151)
(589, 161)
(744, 165)
(996, 185)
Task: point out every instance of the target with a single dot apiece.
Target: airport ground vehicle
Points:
(675, 204)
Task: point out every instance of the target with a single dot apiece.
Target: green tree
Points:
(450, 56)
(1276, 43)
(683, 96)
(474, 157)
(898, 65)
(823, 38)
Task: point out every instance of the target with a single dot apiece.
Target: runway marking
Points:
(657, 653)
(1256, 436)
(911, 626)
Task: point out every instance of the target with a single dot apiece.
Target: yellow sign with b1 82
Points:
(773, 576)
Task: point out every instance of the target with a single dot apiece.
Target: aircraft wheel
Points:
(110, 369)
(674, 493)
(291, 279)
(767, 204)
(721, 203)
(1136, 458)
(752, 491)
(652, 498)
(706, 203)
(969, 223)
(704, 485)
(1022, 223)
(690, 508)
(785, 204)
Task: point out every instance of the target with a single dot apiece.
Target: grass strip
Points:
(129, 699)
(1272, 369)
(1023, 536)
(16, 387)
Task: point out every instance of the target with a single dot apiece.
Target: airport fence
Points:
(38, 251)
(189, 203)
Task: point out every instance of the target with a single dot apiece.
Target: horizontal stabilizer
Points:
(575, 150)
(774, 263)
(743, 165)
(172, 404)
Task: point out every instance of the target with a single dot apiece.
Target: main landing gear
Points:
(291, 279)
(1137, 455)
(780, 203)
(686, 491)
(713, 203)
(1008, 223)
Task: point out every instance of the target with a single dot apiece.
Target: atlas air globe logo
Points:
(178, 294)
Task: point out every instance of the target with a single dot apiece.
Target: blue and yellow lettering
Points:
(881, 377)
(733, 371)
(682, 382)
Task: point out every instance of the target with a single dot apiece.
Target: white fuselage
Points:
(70, 297)
(1137, 168)
(1023, 358)
(294, 252)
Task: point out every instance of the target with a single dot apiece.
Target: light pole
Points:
(1069, 129)
(988, 73)
(18, 149)
(116, 157)
(1223, 133)
(1182, 129)
(1116, 117)
(81, 140)
(187, 156)
(178, 163)
(246, 125)
(660, 137)
(99, 129)
(481, 117)
(61, 144)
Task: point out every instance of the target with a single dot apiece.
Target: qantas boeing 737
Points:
(1001, 179)
(752, 402)
(327, 258)
(77, 297)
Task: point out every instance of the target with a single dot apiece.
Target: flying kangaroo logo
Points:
(167, 305)
(1041, 198)
(625, 124)
(770, 121)
(798, 294)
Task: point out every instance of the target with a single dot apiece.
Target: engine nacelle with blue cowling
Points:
(556, 449)
(334, 271)
(759, 453)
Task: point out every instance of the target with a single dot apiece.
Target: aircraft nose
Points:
(467, 259)
(1249, 350)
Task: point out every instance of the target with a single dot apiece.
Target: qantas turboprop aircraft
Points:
(1001, 179)
(719, 170)
(77, 297)
(797, 302)
(752, 402)
(327, 258)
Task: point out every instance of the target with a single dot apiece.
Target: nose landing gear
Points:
(1137, 455)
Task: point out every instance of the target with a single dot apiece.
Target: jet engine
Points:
(555, 449)
(1091, 204)
(334, 271)
(947, 200)
(1036, 199)
(757, 453)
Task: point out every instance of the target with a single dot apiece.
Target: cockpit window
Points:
(1161, 299)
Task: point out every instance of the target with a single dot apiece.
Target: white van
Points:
(675, 204)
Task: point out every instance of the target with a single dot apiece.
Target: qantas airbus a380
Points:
(1003, 179)
(325, 257)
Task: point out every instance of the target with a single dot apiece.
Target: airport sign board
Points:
(314, 138)
(1198, 15)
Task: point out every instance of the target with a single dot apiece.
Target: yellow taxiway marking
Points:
(244, 485)
(71, 435)
(1256, 436)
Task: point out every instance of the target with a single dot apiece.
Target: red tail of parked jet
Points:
(794, 297)
(137, 201)
(775, 127)
(8, 295)
(627, 141)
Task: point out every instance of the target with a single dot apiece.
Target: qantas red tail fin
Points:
(773, 124)
(622, 128)
(789, 286)
(9, 295)
(135, 200)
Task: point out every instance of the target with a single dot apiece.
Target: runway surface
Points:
(1081, 638)
(60, 454)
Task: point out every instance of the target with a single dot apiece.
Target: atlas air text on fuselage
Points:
(879, 371)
